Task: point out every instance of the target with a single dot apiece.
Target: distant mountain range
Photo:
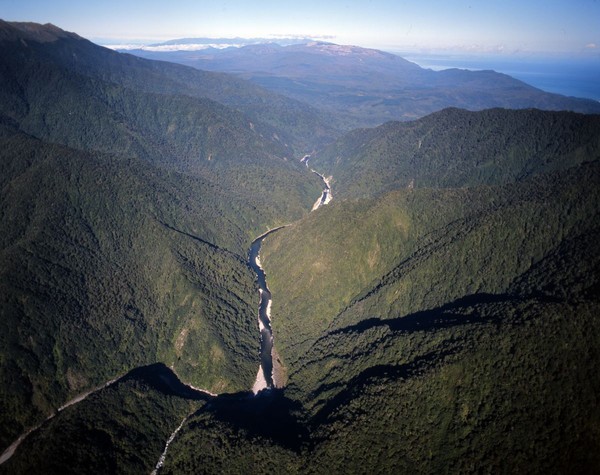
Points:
(366, 86)
(197, 44)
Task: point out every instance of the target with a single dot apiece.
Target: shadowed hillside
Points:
(126, 217)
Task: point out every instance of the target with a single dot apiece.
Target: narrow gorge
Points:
(267, 376)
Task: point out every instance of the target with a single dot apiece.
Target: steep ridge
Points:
(125, 218)
(290, 122)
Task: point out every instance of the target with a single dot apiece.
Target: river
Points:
(264, 377)
(326, 195)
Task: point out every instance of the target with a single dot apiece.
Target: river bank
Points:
(272, 372)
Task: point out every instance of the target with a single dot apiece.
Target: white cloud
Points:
(591, 46)
(236, 43)
(188, 47)
(122, 46)
(181, 47)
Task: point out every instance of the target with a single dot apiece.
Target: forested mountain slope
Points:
(455, 322)
(126, 216)
(462, 335)
(457, 148)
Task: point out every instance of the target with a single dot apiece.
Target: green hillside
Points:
(427, 330)
(102, 271)
(455, 148)
(417, 249)
(447, 329)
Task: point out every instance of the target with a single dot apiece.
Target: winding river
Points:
(326, 196)
(264, 378)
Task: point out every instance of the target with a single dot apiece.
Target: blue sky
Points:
(569, 27)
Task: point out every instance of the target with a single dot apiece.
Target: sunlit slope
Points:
(351, 250)
(417, 249)
(442, 328)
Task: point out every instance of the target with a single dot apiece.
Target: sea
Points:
(569, 76)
